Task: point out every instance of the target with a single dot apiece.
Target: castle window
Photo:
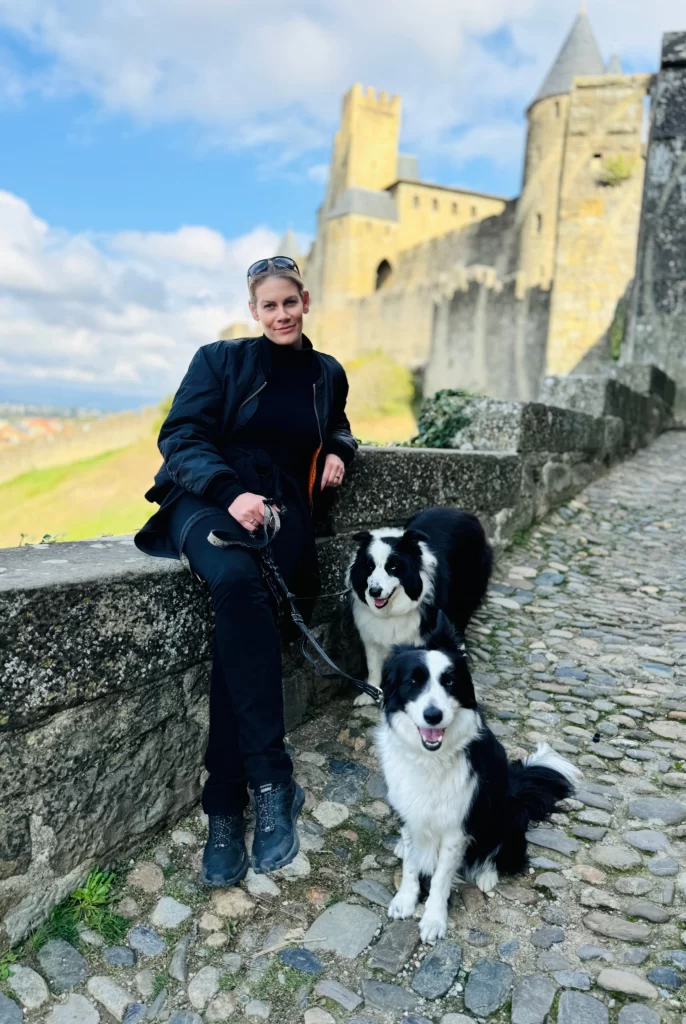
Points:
(383, 272)
(474, 211)
(539, 223)
(557, 108)
(434, 204)
(455, 207)
(415, 201)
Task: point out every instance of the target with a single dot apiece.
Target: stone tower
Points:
(365, 150)
(547, 125)
(599, 207)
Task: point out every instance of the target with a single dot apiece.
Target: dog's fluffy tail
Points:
(539, 781)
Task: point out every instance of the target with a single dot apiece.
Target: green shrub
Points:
(89, 905)
(615, 170)
(440, 418)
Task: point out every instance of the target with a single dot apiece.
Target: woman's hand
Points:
(334, 471)
(248, 510)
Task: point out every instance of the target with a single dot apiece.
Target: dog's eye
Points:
(448, 681)
(392, 566)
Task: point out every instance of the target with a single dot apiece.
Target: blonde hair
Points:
(257, 279)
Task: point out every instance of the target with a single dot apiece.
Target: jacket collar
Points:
(265, 352)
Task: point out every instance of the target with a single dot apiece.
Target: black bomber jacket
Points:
(219, 394)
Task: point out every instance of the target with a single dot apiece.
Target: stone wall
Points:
(657, 320)
(104, 653)
(489, 337)
(403, 309)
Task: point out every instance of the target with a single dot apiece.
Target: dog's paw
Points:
(433, 925)
(402, 905)
(487, 878)
(362, 701)
(399, 849)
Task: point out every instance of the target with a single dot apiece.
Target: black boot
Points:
(276, 839)
(225, 859)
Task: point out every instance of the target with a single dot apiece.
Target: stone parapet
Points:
(105, 654)
(644, 413)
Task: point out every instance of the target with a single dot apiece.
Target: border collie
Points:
(463, 809)
(401, 578)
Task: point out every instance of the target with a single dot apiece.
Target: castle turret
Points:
(547, 125)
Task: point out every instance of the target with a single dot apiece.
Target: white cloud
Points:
(113, 310)
(319, 173)
(271, 76)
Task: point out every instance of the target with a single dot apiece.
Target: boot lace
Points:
(265, 809)
(223, 828)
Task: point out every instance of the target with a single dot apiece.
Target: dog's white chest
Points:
(385, 631)
(431, 793)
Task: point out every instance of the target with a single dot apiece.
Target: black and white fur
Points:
(401, 578)
(464, 810)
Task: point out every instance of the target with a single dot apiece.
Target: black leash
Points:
(278, 587)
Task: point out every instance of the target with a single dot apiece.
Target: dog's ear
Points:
(445, 637)
(391, 673)
(410, 538)
(363, 537)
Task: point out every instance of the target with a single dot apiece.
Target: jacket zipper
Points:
(316, 414)
(254, 395)
(313, 467)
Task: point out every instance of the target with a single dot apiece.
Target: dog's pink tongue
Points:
(431, 735)
(380, 601)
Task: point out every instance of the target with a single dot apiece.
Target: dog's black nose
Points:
(433, 715)
(375, 591)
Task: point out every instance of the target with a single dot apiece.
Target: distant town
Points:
(23, 422)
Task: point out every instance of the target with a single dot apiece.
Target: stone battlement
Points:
(104, 653)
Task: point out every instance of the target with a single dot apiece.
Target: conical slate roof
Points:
(579, 56)
(614, 66)
(288, 246)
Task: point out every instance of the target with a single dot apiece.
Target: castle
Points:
(476, 290)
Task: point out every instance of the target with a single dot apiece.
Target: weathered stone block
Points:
(669, 117)
(673, 49)
(387, 485)
(526, 427)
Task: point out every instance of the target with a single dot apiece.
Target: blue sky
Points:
(149, 151)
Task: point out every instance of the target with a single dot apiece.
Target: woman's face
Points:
(280, 309)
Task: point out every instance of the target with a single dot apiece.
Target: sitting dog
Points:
(463, 809)
(401, 578)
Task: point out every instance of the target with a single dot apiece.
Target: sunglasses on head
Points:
(274, 261)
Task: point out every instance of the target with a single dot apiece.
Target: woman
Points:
(253, 420)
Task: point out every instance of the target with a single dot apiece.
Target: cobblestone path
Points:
(582, 643)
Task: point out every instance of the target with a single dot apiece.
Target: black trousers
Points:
(246, 739)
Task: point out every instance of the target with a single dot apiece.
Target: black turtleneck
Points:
(284, 424)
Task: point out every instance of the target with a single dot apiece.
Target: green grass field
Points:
(96, 496)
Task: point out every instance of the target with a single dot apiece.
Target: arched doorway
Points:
(383, 272)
